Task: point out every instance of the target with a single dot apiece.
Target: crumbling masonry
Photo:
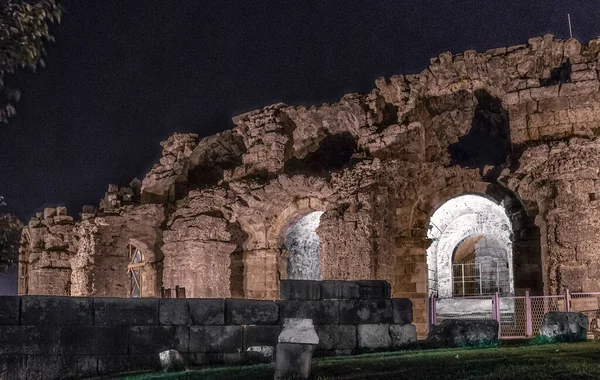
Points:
(517, 125)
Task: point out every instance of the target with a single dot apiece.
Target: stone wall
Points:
(515, 124)
(58, 337)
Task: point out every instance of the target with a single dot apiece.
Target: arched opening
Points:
(471, 251)
(135, 270)
(480, 267)
(301, 249)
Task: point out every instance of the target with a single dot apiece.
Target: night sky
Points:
(124, 75)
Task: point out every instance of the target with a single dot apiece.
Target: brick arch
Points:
(527, 251)
(255, 268)
(290, 215)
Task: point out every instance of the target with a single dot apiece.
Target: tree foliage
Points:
(10, 239)
(24, 29)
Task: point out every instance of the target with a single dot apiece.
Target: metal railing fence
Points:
(518, 316)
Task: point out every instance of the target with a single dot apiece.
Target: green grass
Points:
(552, 361)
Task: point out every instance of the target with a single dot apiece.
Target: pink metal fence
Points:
(518, 316)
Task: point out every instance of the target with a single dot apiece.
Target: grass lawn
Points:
(550, 361)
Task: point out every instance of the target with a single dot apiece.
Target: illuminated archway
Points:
(471, 248)
(301, 247)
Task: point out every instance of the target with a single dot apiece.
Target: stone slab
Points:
(155, 339)
(324, 312)
(462, 333)
(336, 337)
(217, 339)
(336, 289)
(93, 340)
(251, 312)
(61, 366)
(13, 367)
(355, 312)
(125, 312)
(299, 290)
(374, 289)
(373, 336)
(403, 335)
(57, 311)
(207, 311)
(261, 336)
(113, 364)
(174, 311)
(191, 311)
(30, 340)
(9, 310)
(402, 309)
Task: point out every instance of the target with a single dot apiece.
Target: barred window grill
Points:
(470, 279)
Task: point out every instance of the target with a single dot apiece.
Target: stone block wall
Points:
(57, 337)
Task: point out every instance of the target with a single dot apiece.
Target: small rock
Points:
(564, 326)
(262, 354)
(171, 361)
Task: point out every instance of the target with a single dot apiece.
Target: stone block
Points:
(93, 340)
(114, 364)
(564, 327)
(251, 312)
(402, 309)
(546, 92)
(13, 367)
(373, 336)
(355, 312)
(30, 340)
(403, 335)
(324, 312)
(57, 311)
(155, 339)
(374, 289)
(583, 75)
(336, 289)
(125, 311)
(174, 311)
(60, 210)
(49, 212)
(218, 339)
(9, 310)
(260, 336)
(207, 311)
(61, 367)
(336, 337)
(299, 290)
(579, 88)
(63, 219)
(461, 333)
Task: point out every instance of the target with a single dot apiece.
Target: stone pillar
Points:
(295, 347)
(260, 274)
(411, 279)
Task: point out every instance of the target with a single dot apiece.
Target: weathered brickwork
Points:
(517, 125)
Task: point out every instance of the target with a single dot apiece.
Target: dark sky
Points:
(124, 75)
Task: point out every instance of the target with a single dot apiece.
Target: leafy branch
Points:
(24, 29)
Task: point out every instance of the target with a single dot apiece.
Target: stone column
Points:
(295, 347)
(261, 280)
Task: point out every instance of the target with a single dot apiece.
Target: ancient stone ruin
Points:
(346, 191)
